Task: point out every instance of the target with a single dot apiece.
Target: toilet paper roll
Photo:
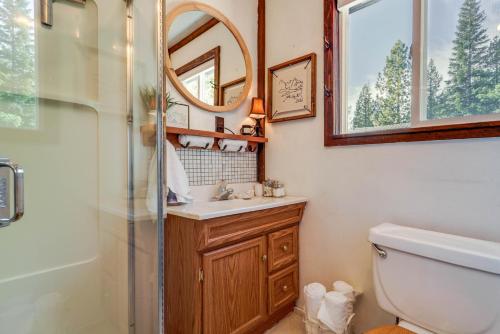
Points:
(313, 294)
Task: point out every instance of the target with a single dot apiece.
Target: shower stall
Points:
(80, 252)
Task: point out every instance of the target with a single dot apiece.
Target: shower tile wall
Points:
(206, 167)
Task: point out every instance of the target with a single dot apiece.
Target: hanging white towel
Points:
(231, 145)
(175, 176)
(334, 312)
(196, 141)
(313, 294)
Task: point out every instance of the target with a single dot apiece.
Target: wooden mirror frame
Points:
(196, 6)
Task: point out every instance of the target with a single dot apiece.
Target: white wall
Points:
(448, 186)
(243, 14)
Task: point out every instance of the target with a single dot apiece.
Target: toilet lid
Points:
(392, 329)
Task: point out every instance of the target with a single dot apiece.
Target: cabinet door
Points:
(234, 288)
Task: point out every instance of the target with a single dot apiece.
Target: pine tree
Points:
(467, 72)
(365, 108)
(394, 88)
(434, 98)
(493, 61)
(17, 64)
(489, 97)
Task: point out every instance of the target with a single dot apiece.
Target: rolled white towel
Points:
(313, 294)
(196, 141)
(345, 289)
(333, 312)
(231, 145)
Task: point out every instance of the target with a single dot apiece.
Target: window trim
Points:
(332, 97)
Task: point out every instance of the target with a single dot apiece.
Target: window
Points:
(202, 85)
(18, 103)
(411, 70)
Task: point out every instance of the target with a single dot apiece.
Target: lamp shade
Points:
(257, 110)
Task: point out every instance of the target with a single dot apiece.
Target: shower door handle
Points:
(46, 16)
(6, 168)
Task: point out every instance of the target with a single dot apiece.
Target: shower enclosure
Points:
(80, 252)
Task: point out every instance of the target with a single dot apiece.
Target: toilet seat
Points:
(391, 329)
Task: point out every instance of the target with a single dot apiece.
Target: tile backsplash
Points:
(206, 167)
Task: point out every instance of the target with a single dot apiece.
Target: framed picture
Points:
(292, 89)
(178, 115)
(230, 92)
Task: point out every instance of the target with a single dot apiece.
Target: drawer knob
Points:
(284, 247)
(284, 288)
(264, 258)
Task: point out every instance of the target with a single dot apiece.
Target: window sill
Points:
(442, 132)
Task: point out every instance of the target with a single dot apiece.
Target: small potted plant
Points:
(148, 95)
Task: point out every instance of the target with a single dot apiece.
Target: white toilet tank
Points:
(443, 283)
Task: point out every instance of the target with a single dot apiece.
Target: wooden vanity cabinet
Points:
(231, 275)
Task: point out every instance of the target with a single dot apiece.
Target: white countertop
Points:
(208, 210)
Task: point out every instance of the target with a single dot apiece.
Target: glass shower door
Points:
(66, 265)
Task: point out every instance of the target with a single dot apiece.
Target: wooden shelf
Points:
(148, 133)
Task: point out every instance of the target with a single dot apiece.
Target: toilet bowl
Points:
(435, 282)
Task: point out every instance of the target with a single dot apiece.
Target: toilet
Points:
(435, 282)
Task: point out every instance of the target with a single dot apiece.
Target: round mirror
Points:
(207, 60)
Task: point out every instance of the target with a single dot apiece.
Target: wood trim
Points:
(332, 104)
(225, 86)
(214, 55)
(312, 113)
(198, 32)
(261, 84)
(332, 67)
(442, 132)
(196, 6)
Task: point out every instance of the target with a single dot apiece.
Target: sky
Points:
(374, 30)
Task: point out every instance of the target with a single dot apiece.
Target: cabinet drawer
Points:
(283, 288)
(225, 230)
(283, 248)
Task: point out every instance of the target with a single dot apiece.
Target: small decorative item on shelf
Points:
(148, 95)
(246, 130)
(278, 189)
(178, 115)
(258, 114)
(268, 188)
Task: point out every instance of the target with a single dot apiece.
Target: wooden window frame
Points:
(214, 55)
(333, 109)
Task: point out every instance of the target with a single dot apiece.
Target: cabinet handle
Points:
(284, 288)
(264, 258)
(284, 247)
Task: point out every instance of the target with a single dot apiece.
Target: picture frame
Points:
(179, 115)
(292, 89)
(231, 91)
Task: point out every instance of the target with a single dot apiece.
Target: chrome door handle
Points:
(18, 192)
